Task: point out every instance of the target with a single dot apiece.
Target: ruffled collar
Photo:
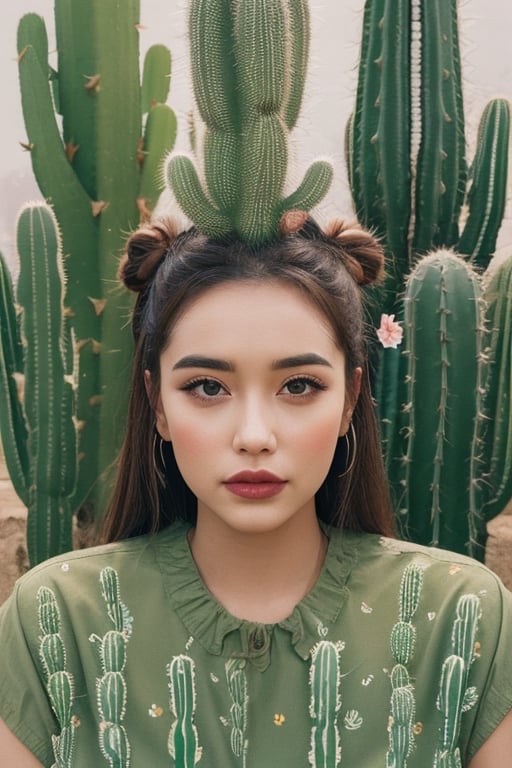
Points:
(221, 633)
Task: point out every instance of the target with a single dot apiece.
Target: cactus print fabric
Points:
(118, 656)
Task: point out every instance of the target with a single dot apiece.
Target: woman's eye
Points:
(303, 386)
(204, 388)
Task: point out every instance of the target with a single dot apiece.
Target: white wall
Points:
(486, 28)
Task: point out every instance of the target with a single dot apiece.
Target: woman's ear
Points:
(351, 397)
(161, 424)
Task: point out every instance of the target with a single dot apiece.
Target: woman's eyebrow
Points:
(296, 361)
(200, 361)
(215, 364)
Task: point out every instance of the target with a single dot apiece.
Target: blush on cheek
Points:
(187, 438)
(321, 439)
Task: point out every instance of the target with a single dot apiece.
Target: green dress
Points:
(119, 656)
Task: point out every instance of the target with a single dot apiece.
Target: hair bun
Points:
(145, 250)
(360, 251)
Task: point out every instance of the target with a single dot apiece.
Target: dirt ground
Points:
(13, 553)
(14, 561)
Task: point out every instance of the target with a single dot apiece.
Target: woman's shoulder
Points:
(76, 571)
(386, 559)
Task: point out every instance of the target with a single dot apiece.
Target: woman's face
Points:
(253, 398)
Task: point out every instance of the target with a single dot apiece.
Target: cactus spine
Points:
(100, 177)
(248, 68)
(111, 686)
(408, 174)
(403, 639)
(59, 682)
(237, 686)
(325, 704)
(455, 697)
(183, 739)
(38, 374)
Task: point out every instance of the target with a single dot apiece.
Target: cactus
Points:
(491, 487)
(59, 682)
(443, 318)
(449, 703)
(403, 638)
(405, 140)
(111, 686)
(400, 727)
(464, 629)
(101, 178)
(237, 686)
(248, 69)
(406, 159)
(38, 419)
(325, 704)
(183, 739)
(455, 697)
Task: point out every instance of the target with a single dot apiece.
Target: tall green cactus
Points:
(101, 174)
(38, 419)
(491, 487)
(406, 157)
(249, 62)
(443, 319)
(405, 148)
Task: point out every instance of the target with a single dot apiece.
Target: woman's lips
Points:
(255, 485)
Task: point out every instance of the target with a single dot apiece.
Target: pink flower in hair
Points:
(390, 333)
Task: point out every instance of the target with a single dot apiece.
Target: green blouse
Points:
(119, 656)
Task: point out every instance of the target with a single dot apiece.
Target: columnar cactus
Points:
(443, 319)
(248, 67)
(183, 740)
(325, 704)
(111, 686)
(455, 697)
(491, 486)
(59, 682)
(101, 174)
(406, 156)
(402, 641)
(38, 375)
(237, 686)
(405, 141)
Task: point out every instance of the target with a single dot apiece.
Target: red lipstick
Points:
(255, 485)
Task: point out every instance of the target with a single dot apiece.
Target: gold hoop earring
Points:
(159, 470)
(351, 455)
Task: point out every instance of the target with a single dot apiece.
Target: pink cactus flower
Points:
(390, 333)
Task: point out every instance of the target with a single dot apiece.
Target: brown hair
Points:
(169, 270)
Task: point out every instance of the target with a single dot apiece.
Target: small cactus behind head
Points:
(248, 68)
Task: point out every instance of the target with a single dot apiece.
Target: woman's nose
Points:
(254, 432)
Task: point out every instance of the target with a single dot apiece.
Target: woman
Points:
(252, 607)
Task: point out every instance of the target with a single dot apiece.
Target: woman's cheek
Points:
(192, 436)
